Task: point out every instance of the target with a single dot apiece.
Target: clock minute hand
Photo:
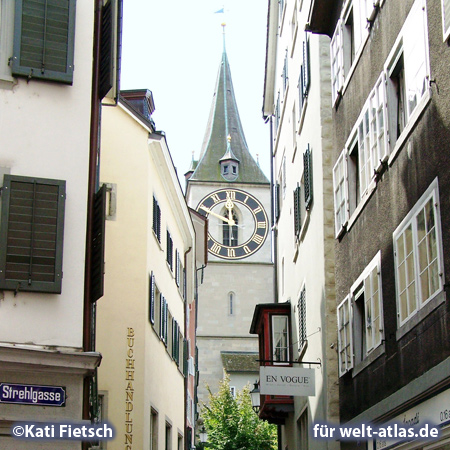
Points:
(230, 222)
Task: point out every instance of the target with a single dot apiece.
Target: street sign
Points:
(287, 381)
(30, 394)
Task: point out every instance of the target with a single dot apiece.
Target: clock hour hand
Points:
(230, 222)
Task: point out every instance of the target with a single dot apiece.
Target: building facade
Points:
(50, 101)
(151, 263)
(390, 109)
(300, 329)
(228, 187)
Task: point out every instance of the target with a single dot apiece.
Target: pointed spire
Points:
(224, 137)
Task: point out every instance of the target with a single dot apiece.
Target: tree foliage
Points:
(232, 424)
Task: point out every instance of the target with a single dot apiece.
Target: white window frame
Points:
(373, 301)
(337, 63)
(405, 46)
(345, 336)
(275, 317)
(378, 124)
(445, 19)
(340, 192)
(432, 193)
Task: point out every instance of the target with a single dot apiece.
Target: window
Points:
(177, 267)
(301, 308)
(345, 337)
(6, 38)
(176, 341)
(284, 74)
(156, 219)
(446, 18)
(231, 305)
(283, 182)
(378, 121)
(31, 234)
(277, 113)
(233, 391)
(169, 250)
(302, 426)
(408, 72)
(418, 255)
(360, 317)
(297, 211)
(340, 192)
(153, 430)
(180, 442)
(306, 72)
(163, 310)
(44, 36)
(280, 338)
(368, 316)
(168, 440)
(307, 178)
(337, 63)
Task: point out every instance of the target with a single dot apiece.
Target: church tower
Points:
(229, 188)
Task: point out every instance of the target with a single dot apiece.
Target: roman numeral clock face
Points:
(237, 223)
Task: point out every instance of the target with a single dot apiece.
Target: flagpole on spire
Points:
(223, 33)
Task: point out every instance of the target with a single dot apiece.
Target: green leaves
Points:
(232, 424)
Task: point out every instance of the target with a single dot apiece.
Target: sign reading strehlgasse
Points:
(287, 381)
(31, 394)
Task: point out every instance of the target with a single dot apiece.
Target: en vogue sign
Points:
(287, 381)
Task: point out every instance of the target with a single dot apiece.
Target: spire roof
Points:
(224, 136)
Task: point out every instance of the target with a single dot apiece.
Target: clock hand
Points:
(230, 222)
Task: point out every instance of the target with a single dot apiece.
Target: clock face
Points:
(238, 224)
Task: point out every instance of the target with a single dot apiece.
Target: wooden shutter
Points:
(185, 357)
(98, 244)
(169, 248)
(307, 178)
(177, 268)
(106, 78)
(152, 299)
(31, 236)
(306, 72)
(297, 211)
(276, 201)
(301, 307)
(44, 37)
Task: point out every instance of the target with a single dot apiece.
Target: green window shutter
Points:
(152, 299)
(297, 211)
(169, 251)
(98, 244)
(307, 177)
(276, 199)
(31, 234)
(185, 357)
(44, 38)
(106, 78)
(306, 73)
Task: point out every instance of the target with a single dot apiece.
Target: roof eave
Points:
(321, 17)
(271, 56)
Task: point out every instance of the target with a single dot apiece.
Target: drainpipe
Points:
(89, 311)
(273, 224)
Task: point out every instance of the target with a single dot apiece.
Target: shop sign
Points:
(435, 411)
(287, 381)
(31, 394)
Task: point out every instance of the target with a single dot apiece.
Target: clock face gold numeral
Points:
(214, 205)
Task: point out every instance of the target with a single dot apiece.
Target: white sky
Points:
(174, 48)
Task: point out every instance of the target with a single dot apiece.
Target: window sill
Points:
(368, 360)
(156, 239)
(7, 82)
(432, 304)
(410, 125)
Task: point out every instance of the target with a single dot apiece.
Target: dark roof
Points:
(224, 121)
(240, 361)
